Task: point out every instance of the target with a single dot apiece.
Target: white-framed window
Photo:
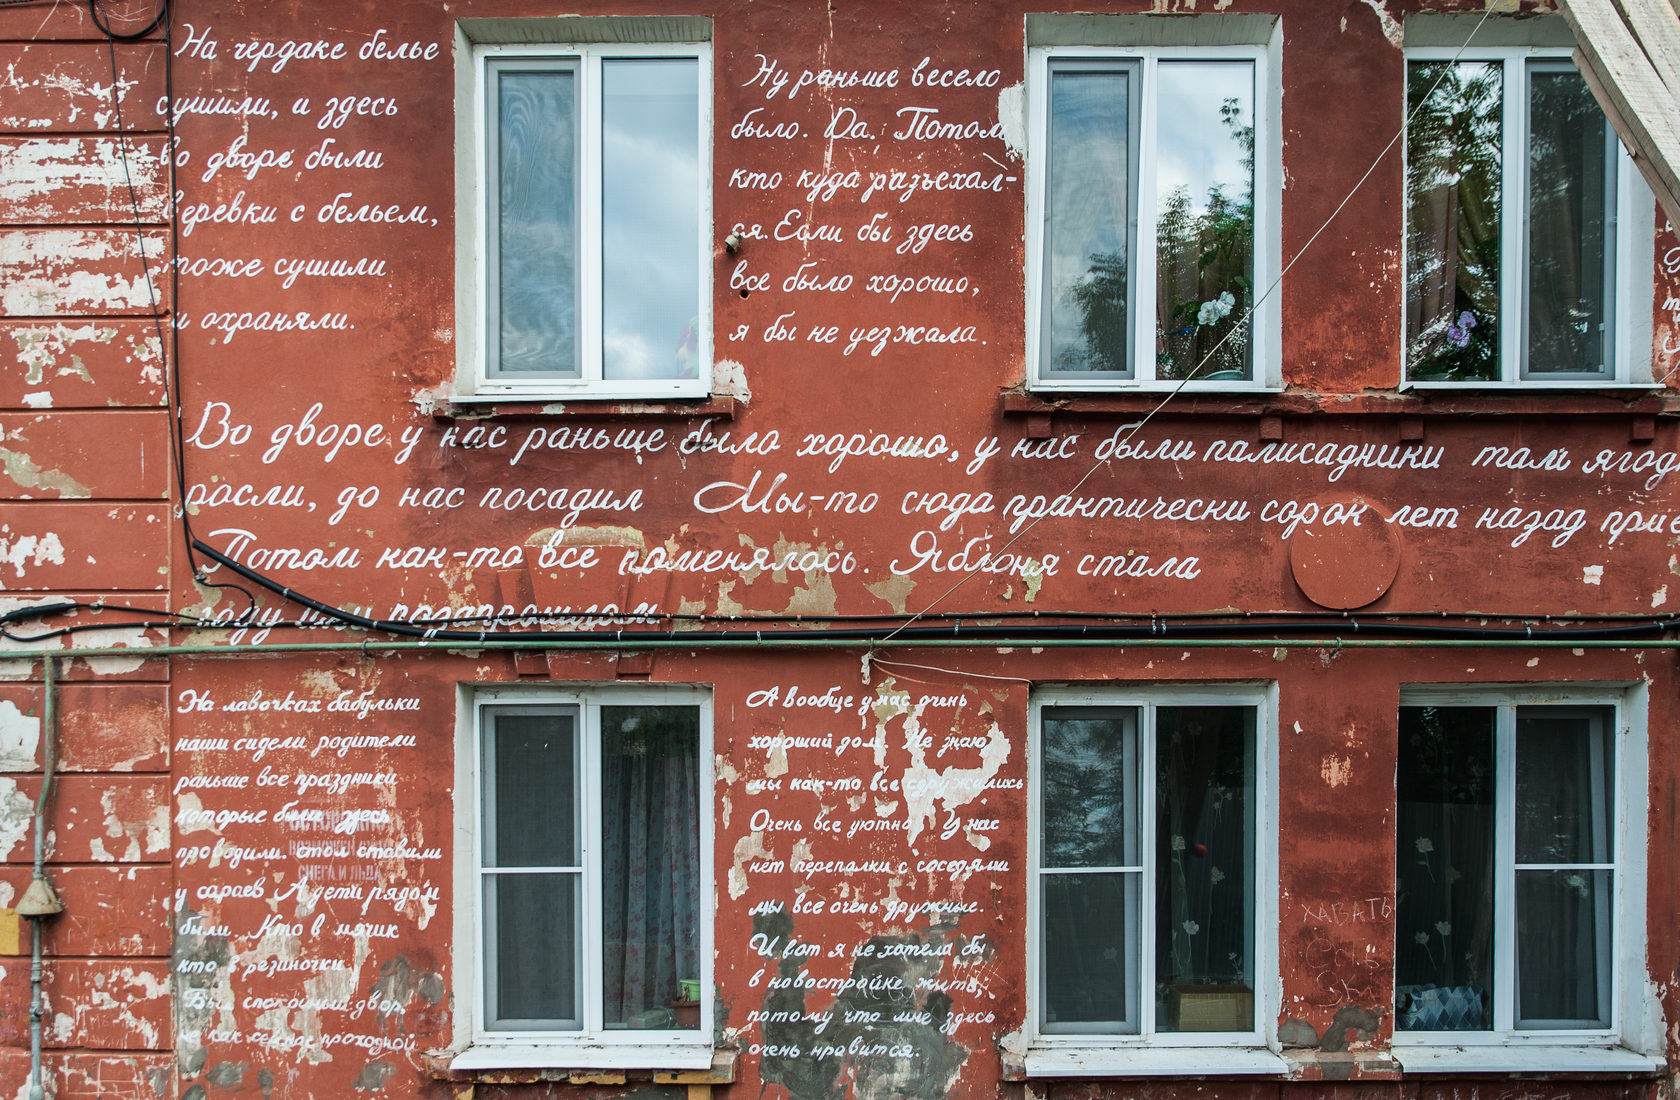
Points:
(1152, 209)
(584, 877)
(1528, 230)
(586, 212)
(1151, 916)
(1520, 825)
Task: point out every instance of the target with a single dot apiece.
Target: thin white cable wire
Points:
(1270, 289)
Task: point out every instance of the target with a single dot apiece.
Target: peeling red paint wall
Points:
(258, 855)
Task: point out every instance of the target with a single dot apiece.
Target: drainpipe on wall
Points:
(38, 901)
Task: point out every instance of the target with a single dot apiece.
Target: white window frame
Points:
(1629, 1045)
(595, 40)
(1267, 319)
(1201, 1053)
(591, 1046)
(1633, 235)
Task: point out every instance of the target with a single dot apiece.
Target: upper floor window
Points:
(1520, 206)
(1151, 213)
(592, 169)
(1513, 918)
(590, 879)
(1150, 885)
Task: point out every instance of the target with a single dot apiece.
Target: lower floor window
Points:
(1507, 867)
(591, 876)
(1146, 867)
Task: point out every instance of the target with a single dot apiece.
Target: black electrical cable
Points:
(955, 631)
(126, 36)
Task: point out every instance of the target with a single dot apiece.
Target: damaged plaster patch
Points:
(23, 552)
(1391, 28)
(17, 816)
(1336, 770)
(1659, 597)
(1012, 119)
(1592, 574)
(20, 737)
(894, 592)
(924, 786)
(747, 848)
(729, 379)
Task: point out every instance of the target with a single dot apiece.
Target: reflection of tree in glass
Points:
(1204, 272)
(1204, 279)
(1452, 220)
(1088, 771)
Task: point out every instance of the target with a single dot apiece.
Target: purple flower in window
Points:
(1459, 332)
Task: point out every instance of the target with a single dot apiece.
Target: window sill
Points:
(687, 1063)
(1116, 1061)
(1571, 385)
(1436, 401)
(502, 408)
(1524, 1058)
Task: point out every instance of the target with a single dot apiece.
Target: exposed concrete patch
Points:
(227, 1075)
(373, 1076)
(878, 1040)
(1361, 1021)
(894, 592)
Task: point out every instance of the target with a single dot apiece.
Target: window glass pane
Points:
(536, 228)
(1090, 792)
(1090, 952)
(531, 804)
(1563, 949)
(531, 949)
(1453, 172)
(1204, 869)
(650, 863)
(1444, 941)
(1090, 202)
(1204, 218)
(1569, 245)
(650, 218)
(1564, 776)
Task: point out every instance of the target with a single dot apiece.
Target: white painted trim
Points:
(1634, 1042)
(472, 249)
(1267, 323)
(1634, 233)
(1154, 1061)
(592, 1046)
(1524, 1059)
(1149, 1053)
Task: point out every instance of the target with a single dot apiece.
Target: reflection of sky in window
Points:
(536, 180)
(1194, 147)
(650, 223)
(1089, 204)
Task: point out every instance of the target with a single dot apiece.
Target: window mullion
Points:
(481, 814)
(1513, 220)
(590, 272)
(590, 942)
(1505, 881)
(1140, 311)
(1148, 918)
